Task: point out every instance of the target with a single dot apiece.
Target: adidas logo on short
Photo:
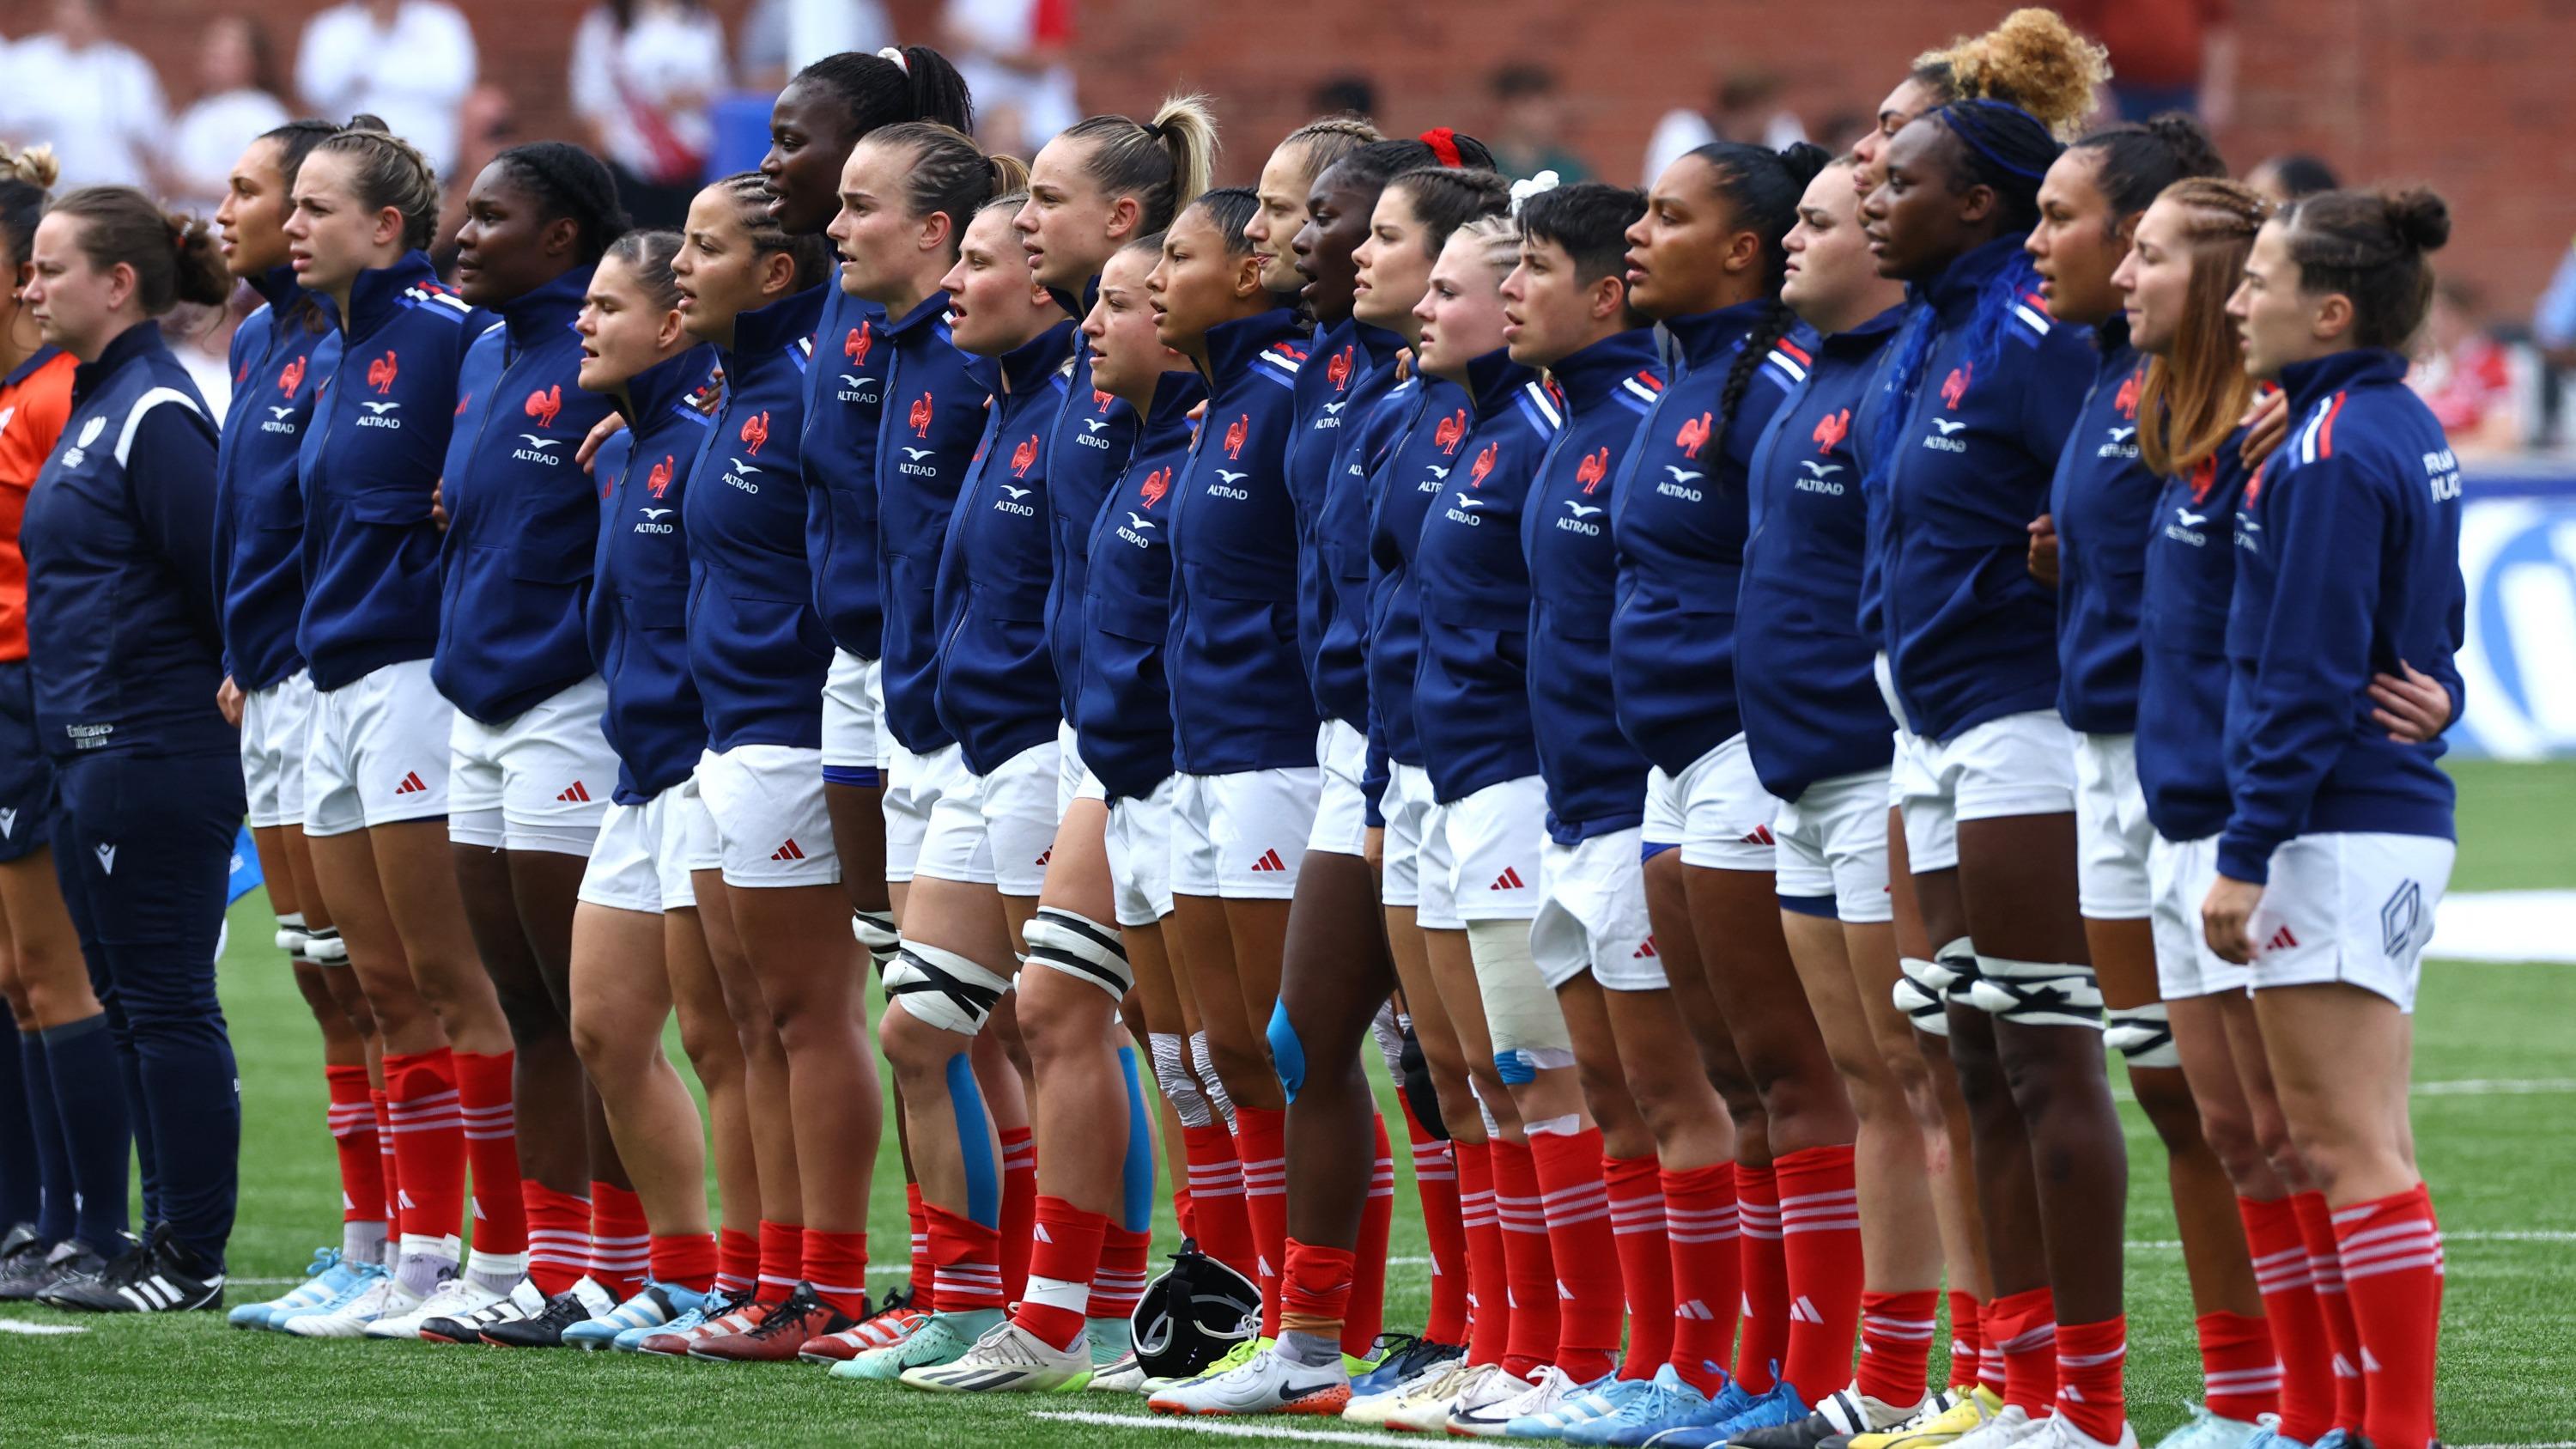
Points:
(789, 851)
(1269, 861)
(411, 784)
(1509, 880)
(576, 795)
(1759, 835)
(2281, 940)
(1044, 856)
(1646, 951)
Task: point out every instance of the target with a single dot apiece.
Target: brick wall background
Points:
(2468, 94)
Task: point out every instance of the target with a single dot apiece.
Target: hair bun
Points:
(2195, 153)
(35, 165)
(368, 121)
(2419, 216)
(1806, 161)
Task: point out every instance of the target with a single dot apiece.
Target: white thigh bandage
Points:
(1388, 1032)
(1209, 1081)
(291, 934)
(2037, 993)
(323, 946)
(940, 988)
(1081, 948)
(876, 931)
(1172, 1074)
(1924, 988)
(2143, 1034)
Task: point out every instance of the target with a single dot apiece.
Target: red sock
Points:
(2023, 1326)
(1121, 1279)
(492, 1145)
(1489, 1299)
(2325, 1267)
(924, 1296)
(2392, 1270)
(1185, 1211)
(385, 1158)
(1645, 1261)
(737, 1262)
(1260, 1142)
(429, 1141)
(1019, 1208)
(1366, 1313)
(2089, 1359)
(353, 1137)
(966, 1261)
(1315, 1291)
(1216, 1195)
(1820, 1237)
(782, 1261)
(621, 1246)
(2291, 1312)
(1896, 1344)
(2238, 1372)
(1435, 1181)
(1527, 1262)
(1062, 1263)
(686, 1260)
(1700, 1223)
(558, 1237)
(1766, 1278)
(1575, 1204)
(1967, 1339)
(1990, 1350)
(836, 1268)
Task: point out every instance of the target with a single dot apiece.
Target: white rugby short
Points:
(2352, 908)
(537, 781)
(645, 853)
(1488, 847)
(1138, 838)
(1833, 842)
(995, 829)
(1341, 818)
(1073, 779)
(2112, 833)
(275, 724)
(1592, 914)
(767, 805)
(1407, 810)
(908, 798)
(2021, 764)
(1724, 813)
(378, 751)
(1241, 836)
(2179, 875)
(853, 697)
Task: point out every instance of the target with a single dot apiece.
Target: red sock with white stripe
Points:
(492, 1145)
(1766, 1278)
(2392, 1271)
(2023, 1327)
(2240, 1377)
(782, 1261)
(1488, 1271)
(924, 1296)
(1820, 1239)
(1315, 1290)
(1062, 1263)
(1708, 1272)
(1365, 1315)
(836, 1268)
(558, 1237)
(429, 1141)
(391, 1169)
(1435, 1182)
(1896, 1345)
(1591, 1299)
(1216, 1196)
(1120, 1281)
(1260, 1141)
(2343, 1335)
(1019, 1207)
(352, 1118)
(966, 1262)
(2296, 1322)
(1967, 1339)
(1636, 1187)
(1528, 1263)
(2090, 1357)
(621, 1246)
(685, 1260)
(1990, 1350)
(737, 1262)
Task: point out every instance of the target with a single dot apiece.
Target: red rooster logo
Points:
(1236, 433)
(290, 377)
(1102, 400)
(1955, 387)
(1593, 469)
(1157, 483)
(1338, 371)
(919, 417)
(380, 373)
(855, 346)
(1694, 435)
(1483, 465)
(658, 482)
(2127, 400)
(1022, 456)
(1451, 432)
(1831, 429)
(544, 405)
(755, 431)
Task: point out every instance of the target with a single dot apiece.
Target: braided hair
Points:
(949, 174)
(1761, 188)
(1445, 198)
(1228, 208)
(749, 193)
(569, 183)
(648, 256)
(893, 85)
(2195, 392)
(2140, 161)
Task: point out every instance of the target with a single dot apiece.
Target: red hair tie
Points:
(1444, 144)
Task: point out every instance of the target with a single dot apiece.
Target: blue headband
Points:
(1976, 122)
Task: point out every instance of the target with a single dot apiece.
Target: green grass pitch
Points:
(2492, 1144)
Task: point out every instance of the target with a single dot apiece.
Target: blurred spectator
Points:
(1344, 95)
(2553, 332)
(2465, 375)
(1745, 108)
(781, 37)
(643, 72)
(2287, 178)
(2166, 55)
(1013, 56)
(97, 102)
(236, 73)
(409, 61)
(1530, 125)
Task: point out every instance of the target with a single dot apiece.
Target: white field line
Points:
(38, 1330)
(1226, 1428)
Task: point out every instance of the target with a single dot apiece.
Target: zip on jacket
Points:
(1419, 460)
(1085, 455)
(279, 363)
(1124, 722)
(1332, 565)
(2100, 502)
(844, 399)
(926, 435)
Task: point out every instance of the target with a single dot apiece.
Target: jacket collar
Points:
(1024, 367)
(931, 309)
(660, 387)
(1592, 373)
(1869, 336)
(141, 340)
(776, 327)
(1232, 346)
(1493, 380)
(545, 312)
(1175, 393)
(1705, 337)
(1955, 293)
(379, 291)
(2305, 382)
(1077, 305)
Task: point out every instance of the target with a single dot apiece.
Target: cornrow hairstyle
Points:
(1445, 199)
(26, 179)
(749, 191)
(568, 182)
(892, 86)
(1228, 208)
(1151, 244)
(1761, 188)
(1499, 237)
(2003, 147)
(2370, 246)
(2195, 393)
(950, 175)
(1379, 162)
(2139, 162)
(1589, 219)
(2034, 60)
(386, 170)
(295, 141)
(1012, 199)
(1327, 139)
(174, 256)
(1164, 163)
(648, 256)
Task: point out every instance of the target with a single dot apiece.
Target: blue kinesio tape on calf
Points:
(1287, 1054)
(975, 1143)
(1136, 1175)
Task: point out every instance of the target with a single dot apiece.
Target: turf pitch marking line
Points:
(1219, 1426)
(38, 1330)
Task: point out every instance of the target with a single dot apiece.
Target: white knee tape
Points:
(1172, 1074)
(1388, 1032)
(2037, 993)
(291, 933)
(323, 947)
(1950, 966)
(1081, 948)
(1922, 1002)
(876, 931)
(940, 988)
(2144, 1035)
(1209, 1081)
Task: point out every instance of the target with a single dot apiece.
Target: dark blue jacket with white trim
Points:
(1419, 457)
(844, 395)
(2100, 502)
(1123, 724)
(639, 595)
(926, 434)
(279, 363)
(1085, 454)
(1349, 380)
